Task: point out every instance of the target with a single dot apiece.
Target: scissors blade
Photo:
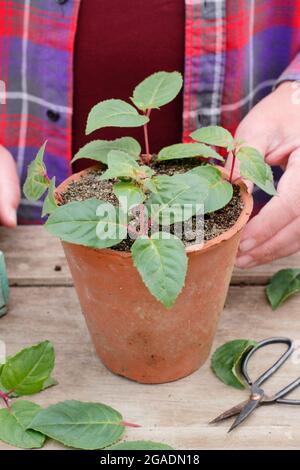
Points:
(235, 410)
(249, 407)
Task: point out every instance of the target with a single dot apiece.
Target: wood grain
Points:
(44, 305)
(176, 413)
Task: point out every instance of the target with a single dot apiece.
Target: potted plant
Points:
(151, 239)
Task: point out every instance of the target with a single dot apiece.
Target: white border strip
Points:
(24, 111)
(233, 106)
(25, 202)
(19, 95)
(251, 53)
(218, 61)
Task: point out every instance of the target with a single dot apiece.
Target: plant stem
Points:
(146, 136)
(232, 166)
(130, 425)
(5, 398)
(58, 197)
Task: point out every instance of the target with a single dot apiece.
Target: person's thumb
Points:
(9, 189)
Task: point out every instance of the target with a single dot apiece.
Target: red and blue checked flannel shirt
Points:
(236, 52)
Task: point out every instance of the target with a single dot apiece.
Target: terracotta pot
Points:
(134, 335)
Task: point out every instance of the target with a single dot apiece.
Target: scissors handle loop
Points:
(279, 397)
(274, 367)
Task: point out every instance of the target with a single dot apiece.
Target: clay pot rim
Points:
(239, 224)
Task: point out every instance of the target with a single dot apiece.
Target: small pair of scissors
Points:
(257, 395)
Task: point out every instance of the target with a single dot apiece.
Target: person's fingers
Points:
(284, 243)
(246, 133)
(9, 189)
(280, 211)
(280, 154)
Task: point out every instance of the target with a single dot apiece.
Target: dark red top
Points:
(118, 44)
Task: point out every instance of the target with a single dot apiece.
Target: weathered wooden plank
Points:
(260, 275)
(176, 413)
(36, 258)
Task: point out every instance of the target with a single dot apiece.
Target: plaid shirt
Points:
(236, 51)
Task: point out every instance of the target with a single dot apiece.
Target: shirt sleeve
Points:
(291, 73)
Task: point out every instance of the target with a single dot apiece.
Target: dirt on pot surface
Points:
(216, 223)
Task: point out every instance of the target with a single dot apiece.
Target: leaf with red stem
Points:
(79, 424)
(220, 191)
(213, 135)
(162, 263)
(157, 90)
(50, 203)
(92, 222)
(179, 151)
(37, 180)
(255, 169)
(113, 113)
(26, 372)
(122, 165)
(14, 423)
(98, 150)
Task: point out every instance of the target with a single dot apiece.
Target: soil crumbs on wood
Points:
(216, 223)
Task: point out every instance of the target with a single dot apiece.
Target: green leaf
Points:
(188, 151)
(283, 284)
(226, 361)
(157, 90)
(149, 185)
(140, 445)
(123, 165)
(4, 286)
(37, 181)
(26, 372)
(115, 113)
(50, 382)
(213, 135)
(14, 423)
(81, 425)
(231, 146)
(99, 149)
(220, 191)
(177, 198)
(254, 168)
(162, 263)
(129, 194)
(120, 164)
(50, 203)
(93, 223)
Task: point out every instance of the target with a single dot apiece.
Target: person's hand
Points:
(9, 189)
(273, 127)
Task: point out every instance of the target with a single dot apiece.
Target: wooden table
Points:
(44, 306)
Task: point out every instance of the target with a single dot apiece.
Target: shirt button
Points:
(53, 115)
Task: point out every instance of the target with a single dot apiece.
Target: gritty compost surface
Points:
(216, 223)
